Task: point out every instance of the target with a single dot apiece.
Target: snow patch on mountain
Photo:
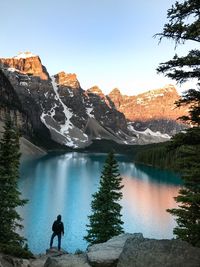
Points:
(50, 113)
(24, 55)
(159, 134)
(89, 110)
(23, 83)
(71, 94)
(12, 69)
(65, 133)
(68, 114)
(148, 136)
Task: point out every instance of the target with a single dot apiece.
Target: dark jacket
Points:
(58, 227)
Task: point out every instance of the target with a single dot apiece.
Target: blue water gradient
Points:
(64, 184)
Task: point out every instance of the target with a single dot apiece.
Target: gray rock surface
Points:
(156, 253)
(39, 261)
(55, 252)
(67, 260)
(126, 250)
(9, 261)
(29, 149)
(107, 254)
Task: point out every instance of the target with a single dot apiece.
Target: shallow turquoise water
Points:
(63, 184)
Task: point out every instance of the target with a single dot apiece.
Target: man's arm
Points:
(53, 226)
(62, 228)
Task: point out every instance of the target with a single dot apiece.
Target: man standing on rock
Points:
(58, 229)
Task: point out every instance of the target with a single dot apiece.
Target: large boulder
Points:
(156, 253)
(107, 254)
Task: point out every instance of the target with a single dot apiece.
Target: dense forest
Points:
(158, 155)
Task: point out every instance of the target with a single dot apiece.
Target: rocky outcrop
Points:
(55, 258)
(107, 254)
(26, 63)
(97, 91)
(67, 260)
(67, 79)
(155, 253)
(117, 98)
(21, 96)
(126, 250)
(10, 101)
(133, 250)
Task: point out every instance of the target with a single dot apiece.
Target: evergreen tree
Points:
(105, 221)
(9, 194)
(188, 212)
(192, 99)
(184, 25)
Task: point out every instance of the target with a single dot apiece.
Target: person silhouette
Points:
(58, 229)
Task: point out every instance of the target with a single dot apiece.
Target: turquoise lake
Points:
(64, 183)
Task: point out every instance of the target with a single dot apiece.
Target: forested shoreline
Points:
(159, 156)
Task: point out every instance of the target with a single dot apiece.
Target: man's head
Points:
(59, 217)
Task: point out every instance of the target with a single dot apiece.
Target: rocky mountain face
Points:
(154, 109)
(21, 95)
(56, 107)
(57, 110)
(26, 63)
(155, 104)
(68, 80)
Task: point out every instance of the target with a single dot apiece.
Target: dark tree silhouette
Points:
(105, 221)
(184, 25)
(10, 240)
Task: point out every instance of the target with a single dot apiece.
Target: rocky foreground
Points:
(127, 250)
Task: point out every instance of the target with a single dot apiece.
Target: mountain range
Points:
(55, 110)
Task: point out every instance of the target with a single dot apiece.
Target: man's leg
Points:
(59, 241)
(52, 237)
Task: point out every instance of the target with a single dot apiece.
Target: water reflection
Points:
(144, 207)
(63, 184)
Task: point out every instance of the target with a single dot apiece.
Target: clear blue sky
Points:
(107, 43)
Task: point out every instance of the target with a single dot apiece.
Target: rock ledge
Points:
(126, 250)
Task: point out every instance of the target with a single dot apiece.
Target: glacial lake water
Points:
(64, 184)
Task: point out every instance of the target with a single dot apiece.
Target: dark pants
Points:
(59, 240)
